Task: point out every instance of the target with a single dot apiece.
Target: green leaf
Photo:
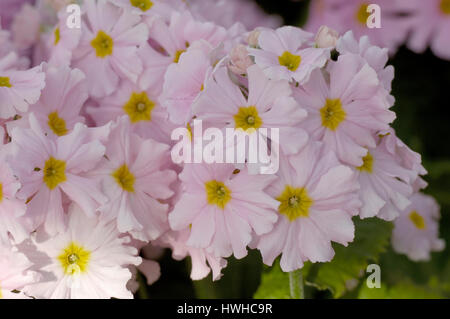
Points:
(349, 263)
(274, 284)
(403, 290)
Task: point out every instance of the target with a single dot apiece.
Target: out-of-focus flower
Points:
(25, 27)
(227, 12)
(345, 15)
(8, 9)
(162, 8)
(429, 22)
(416, 231)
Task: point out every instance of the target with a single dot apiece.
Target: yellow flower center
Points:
(74, 259)
(247, 118)
(362, 15)
(217, 193)
(57, 124)
(445, 6)
(177, 55)
(294, 202)
(4, 81)
(1, 192)
(417, 220)
(103, 44)
(290, 61)
(57, 35)
(124, 178)
(332, 114)
(54, 172)
(139, 107)
(144, 5)
(189, 128)
(367, 165)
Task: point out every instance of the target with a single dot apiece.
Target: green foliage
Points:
(403, 290)
(371, 239)
(274, 284)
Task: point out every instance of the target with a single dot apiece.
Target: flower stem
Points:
(296, 284)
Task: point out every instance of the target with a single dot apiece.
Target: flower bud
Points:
(326, 37)
(252, 38)
(239, 59)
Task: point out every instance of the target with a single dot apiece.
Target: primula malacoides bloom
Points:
(136, 183)
(224, 206)
(88, 260)
(92, 177)
(49, 168)
(416, 231)
(286, 54)
(346, 111)
(109, 40)
(317, 197)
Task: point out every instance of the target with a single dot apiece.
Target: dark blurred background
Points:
(422, 91)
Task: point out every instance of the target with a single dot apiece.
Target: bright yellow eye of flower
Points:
(124, 178)
(217, 193)
(139, 107)
(417, 220)
(54, 172)
(144, 5)
(103, 44)
(247, 118)
(4, 81)
(74, 259)
(57, 124)
(332, 114)
(294, 202)
(362, 15)
(1, 192)
(177, 55)
(290, 61)
(57, 35)
(367, 165)
(445, 6)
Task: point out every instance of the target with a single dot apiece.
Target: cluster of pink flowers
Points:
(417, 23)
(87, 183)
